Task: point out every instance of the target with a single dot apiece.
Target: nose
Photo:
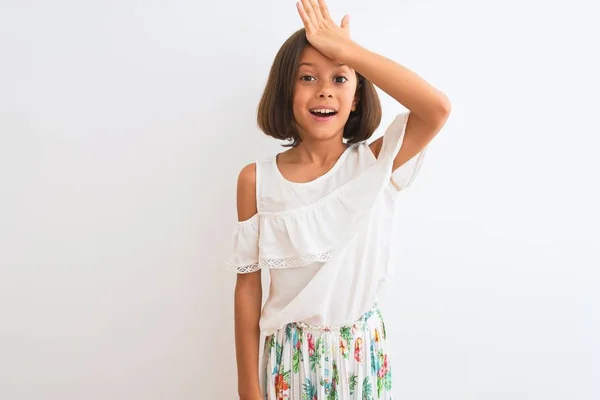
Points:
(325, 91)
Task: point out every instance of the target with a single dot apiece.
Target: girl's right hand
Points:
(321, 32)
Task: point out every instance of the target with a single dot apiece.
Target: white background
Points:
(123, 125)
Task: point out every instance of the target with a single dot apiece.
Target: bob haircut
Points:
(275, 109)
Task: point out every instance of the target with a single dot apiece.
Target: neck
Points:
(321, 152)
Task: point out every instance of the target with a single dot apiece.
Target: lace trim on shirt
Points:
(281, 263)
(297, 261)
(246, 269)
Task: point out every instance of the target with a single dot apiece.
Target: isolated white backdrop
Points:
(123, 125)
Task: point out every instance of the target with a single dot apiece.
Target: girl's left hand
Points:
(321, 31)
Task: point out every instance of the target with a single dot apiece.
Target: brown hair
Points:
(275, 109)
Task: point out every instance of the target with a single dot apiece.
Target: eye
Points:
(307, 78)
(344, 79)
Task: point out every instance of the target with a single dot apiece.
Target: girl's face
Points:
(324, 95)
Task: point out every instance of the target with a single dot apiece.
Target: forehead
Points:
(311, 57)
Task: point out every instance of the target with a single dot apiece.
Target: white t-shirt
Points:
(326, 242)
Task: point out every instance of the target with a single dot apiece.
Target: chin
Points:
(322, 133)
(321, 130)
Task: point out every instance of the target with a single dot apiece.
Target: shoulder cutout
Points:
(246, 192)
(376, 146)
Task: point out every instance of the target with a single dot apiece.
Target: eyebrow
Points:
(339, 64)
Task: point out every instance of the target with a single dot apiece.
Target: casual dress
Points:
(326, 244)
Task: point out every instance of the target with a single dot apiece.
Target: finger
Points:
(317, 9)
(346, 21)
(325, 10)
(303, 15)
(309, 11)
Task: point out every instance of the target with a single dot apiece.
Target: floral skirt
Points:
(349, 362)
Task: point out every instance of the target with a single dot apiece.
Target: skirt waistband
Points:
(362, 321)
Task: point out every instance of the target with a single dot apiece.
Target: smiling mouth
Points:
(323, 113)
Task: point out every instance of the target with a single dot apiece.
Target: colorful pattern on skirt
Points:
(307, 362)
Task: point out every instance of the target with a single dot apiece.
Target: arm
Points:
(429, 108)
(248, 299)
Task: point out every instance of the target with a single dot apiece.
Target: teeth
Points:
(324, 110)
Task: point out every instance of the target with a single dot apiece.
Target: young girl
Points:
(319, 216)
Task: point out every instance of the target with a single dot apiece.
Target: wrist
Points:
(348, 52)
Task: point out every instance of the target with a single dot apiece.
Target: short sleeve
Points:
(403, 176)
(243, 257)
